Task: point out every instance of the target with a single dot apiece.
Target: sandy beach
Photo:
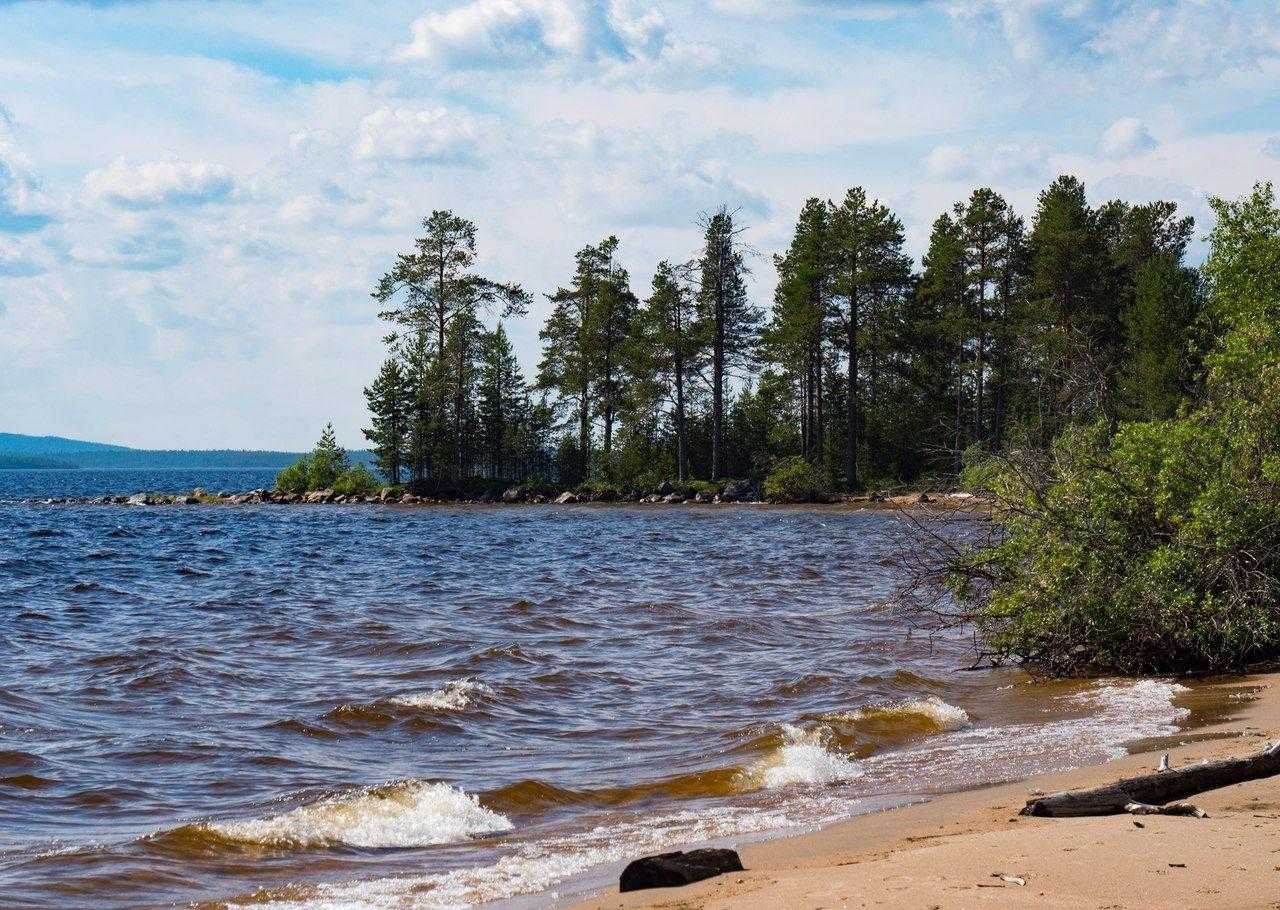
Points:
(956, 850)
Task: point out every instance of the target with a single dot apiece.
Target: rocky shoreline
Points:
(739, 493)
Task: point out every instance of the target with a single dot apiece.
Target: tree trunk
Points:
(679, 364)
(1161, 787)
(854, 410)
(717, 393)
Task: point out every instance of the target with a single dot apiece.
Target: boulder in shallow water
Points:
(512, 495)
(139, 499)
(566, 499)
(671, 870)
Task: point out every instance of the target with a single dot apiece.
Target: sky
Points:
(197, 197)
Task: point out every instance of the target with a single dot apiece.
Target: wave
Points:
(920, 715)
(404, 814)
(531, 868)
(453, 696)
(806, 757)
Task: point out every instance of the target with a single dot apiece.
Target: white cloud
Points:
(1127, 136)
(509, 33)
(638, 178)
(1272, 147)
(436, 135)
(154, 184)
(1002, 161)
(1152, 41)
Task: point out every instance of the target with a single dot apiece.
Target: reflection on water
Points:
(371, 707)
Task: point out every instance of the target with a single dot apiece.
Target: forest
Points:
(865, 370)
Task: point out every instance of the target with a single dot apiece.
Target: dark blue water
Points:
(363, 706)
(24, 484)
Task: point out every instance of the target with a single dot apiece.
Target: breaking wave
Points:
(405, 814)
(924, 715)
(804, 758)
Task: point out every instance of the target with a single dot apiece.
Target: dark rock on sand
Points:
(671, 870)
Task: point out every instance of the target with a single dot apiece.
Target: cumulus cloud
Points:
(1152, 40)
(636, 178)
(19, 190)
(1003, 161)
(506, 33)
(435, 135)
(144, 247)
(154, 184)
(1127, 136)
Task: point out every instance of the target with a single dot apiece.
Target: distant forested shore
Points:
(22, 452)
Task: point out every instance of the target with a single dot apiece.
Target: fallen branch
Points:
(1159, 788)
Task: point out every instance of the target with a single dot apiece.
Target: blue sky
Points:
(196, 197)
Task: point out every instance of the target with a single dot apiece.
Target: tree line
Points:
(864, 370)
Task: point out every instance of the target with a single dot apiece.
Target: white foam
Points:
(453, 696)
(1118, 712)
(536, 866)
(804, 759)
(944, 716)
(407, 814)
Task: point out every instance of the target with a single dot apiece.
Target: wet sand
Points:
(952, 851)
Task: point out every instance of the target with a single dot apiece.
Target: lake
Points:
(361, 706)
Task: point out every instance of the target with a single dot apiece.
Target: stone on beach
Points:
(671, 870)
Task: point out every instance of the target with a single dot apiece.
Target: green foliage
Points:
(1156, 548)
(390, 400)
(599, 488)
(296, 478)
(328, 461)
(796, 480)
(356, 480)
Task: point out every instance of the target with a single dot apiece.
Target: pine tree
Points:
(665, 350)
(869, 269)
(729, 323)
(503, 403)
(795, 334)
(328, 460)
(426, 292)
(389, 406)
(1155, 375)
(582, 338)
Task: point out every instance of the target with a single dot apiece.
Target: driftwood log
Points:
(1159, 788)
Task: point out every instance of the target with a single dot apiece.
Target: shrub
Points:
(1157, 548)
(328, 461)
(296, 478)
(356, 480)
(796, 480)
(599, 489)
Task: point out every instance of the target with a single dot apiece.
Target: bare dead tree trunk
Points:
(1158, 788)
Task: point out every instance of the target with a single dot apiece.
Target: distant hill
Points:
(17, 444)
(19, 451)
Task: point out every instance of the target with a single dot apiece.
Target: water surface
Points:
(305, 707)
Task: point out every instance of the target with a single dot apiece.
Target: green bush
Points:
(796, 480)
(1156, 548)
(357, 480)
(599, 488)
(296, 478)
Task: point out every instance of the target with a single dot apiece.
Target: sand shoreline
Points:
(951, 851)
